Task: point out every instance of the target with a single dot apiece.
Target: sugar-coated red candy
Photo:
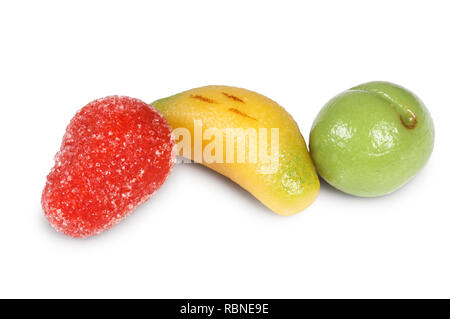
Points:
(117, 151)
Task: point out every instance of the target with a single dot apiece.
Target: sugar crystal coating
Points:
(117, 151)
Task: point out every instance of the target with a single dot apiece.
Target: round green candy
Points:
(371, 139)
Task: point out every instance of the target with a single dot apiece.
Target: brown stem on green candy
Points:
(407, 116)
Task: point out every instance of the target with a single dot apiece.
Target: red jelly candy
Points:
(117, 151)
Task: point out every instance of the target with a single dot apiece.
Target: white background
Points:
(201, 235)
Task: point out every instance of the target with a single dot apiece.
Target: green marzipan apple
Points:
(372, 139)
